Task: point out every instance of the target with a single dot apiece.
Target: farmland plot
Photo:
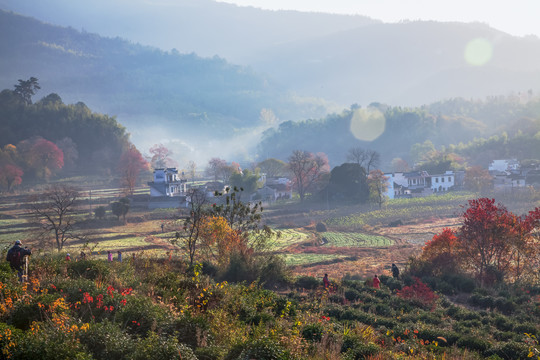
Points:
(353, 239)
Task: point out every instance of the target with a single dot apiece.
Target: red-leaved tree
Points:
(130, 166)
(10, 175)
(42, 157)
(442, 252)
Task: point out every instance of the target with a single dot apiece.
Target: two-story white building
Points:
(167, 183)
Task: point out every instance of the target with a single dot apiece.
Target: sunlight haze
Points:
(514, 17)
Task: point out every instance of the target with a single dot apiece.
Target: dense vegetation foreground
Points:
(148, 308)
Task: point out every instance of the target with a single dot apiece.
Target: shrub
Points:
(528, 328)
(191, 329)
(51, 344)
(393, 284)
(473, 343)
(505, 306)
(502, 323)
(158, 348)
(141, 316)
(88, 269)
(261, 349)
(106, 340)
(419, 293)
(362, 351)
(383, 310)
(209, 353)
(307, 282)
(352, 294)
(509, 351)
(312, 332)
(321, 227)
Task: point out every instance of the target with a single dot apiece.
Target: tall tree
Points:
(477, 179)
(364, 157)
(26, 89)
(192, 224)
(348, 183)
(245, 180)
(215, 168)
(378, 185)
(273, 167)
(484, 237)
(130, 166)
(42, 157)
(121, 208)
(307, 169)
(54, 211)
(10, 175)
(191, 168)
(161, 157)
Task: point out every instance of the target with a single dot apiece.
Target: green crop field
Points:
(347, 239)
(305, 258)
(288, 237)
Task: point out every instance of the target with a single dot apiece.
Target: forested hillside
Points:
(40, 139)
(117, 77)
(511, 125)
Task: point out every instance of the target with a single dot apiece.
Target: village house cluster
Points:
(171, 189)
(507, 175)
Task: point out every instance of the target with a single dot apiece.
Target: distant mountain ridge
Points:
(345, 59)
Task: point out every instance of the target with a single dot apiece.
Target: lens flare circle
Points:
(367, 124)
(478, 52)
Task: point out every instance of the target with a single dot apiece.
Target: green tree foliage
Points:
(26, 89)
(273, 167)
(121, 208)
(378, 185)
(246, 181)
(348, 182)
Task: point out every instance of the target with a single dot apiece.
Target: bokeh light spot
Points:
(478, 52)
(367, 124)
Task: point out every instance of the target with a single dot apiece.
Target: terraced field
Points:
(355, 239)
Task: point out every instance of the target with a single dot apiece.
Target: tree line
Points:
(41, 140)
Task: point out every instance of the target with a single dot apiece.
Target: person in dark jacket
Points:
(15, 256)
(395, 271)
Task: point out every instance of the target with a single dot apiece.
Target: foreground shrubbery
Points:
(156, 309)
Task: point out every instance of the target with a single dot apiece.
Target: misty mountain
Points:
(345, 59)
(409, 63)
(205, 27)
(175, 95)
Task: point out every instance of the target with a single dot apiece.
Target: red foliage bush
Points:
(420, 293)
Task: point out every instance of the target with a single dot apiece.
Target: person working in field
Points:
(15, 256)
(325, 281)
(376, 282)
(395, 271)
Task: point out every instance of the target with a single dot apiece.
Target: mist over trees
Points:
(46, 138)
(418, 136)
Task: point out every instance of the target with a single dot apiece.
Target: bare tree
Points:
(191, 226)
(53, 210)
(357, 155)
(373, 160)
(215, 168)
(364, 157)
(307, 169)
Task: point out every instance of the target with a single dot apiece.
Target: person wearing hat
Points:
(68, 257)
(15, 256)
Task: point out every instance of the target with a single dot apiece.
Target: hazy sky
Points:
(516, 17)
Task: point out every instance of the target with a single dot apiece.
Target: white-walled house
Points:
(167, 183)
(418, 183)
(504, 165)
(442, 182)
